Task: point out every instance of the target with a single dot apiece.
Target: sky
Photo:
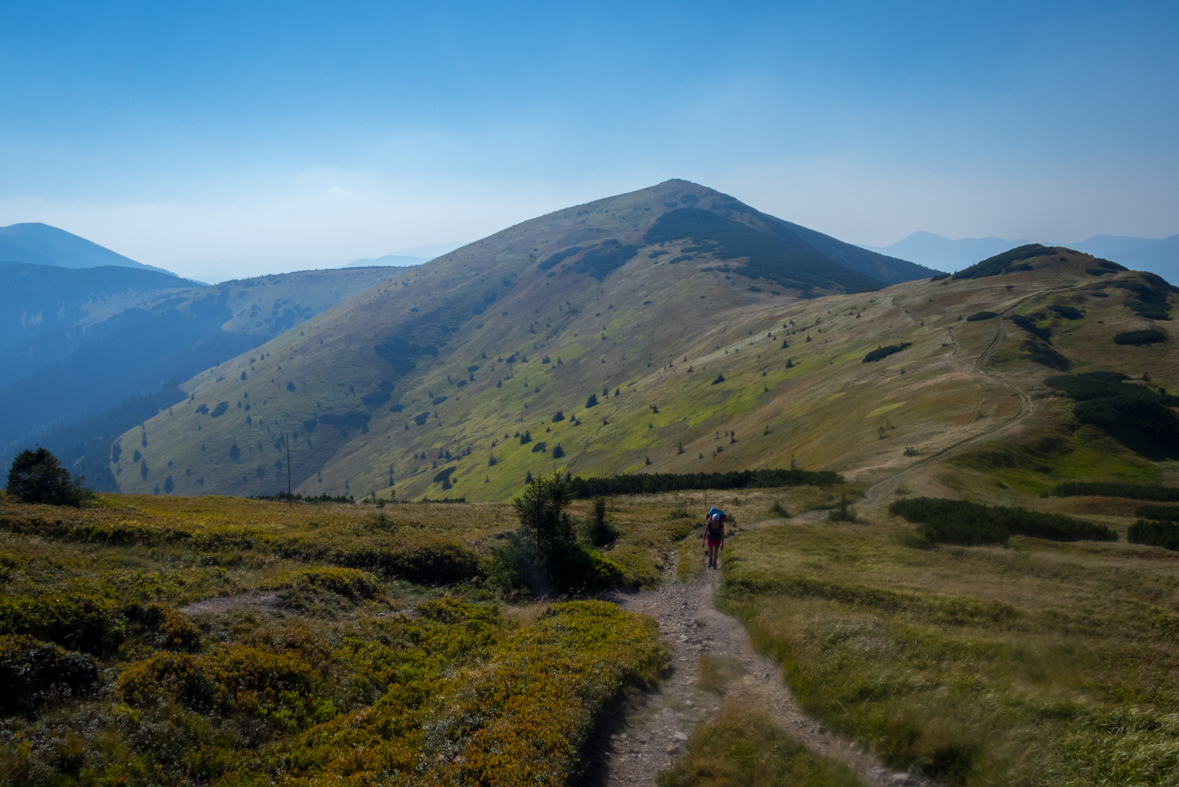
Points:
(231, 139)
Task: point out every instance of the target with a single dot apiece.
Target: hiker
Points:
(714, 535)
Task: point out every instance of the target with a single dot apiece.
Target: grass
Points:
(744, 747)
(1039, 663)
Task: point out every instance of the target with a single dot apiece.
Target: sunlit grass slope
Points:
(464, 376)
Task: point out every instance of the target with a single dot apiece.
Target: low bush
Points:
(1160, 513)
(883, 352)
(1133, 414)
(350, 583)
(1029, 325)
(1138, 338)
(653, 483)
(82, 623)
(1154, 533)
(30, 670)
(977, 316)
(165, 627)
(1067, 312)
(1154, 492)
(960, 522)
(231, 679)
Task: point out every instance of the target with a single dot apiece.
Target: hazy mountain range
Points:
(1148, 254)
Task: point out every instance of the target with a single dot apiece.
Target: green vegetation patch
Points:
(604, 258)
(643, 483)
(961, 522)
(1134, 415)
(31, 669)
(1139, 338)
(350, 583)
(881, 353)
(746, 747)
(1156, 492)
(1154, 533)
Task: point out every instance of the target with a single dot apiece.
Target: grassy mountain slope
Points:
(41, 244)
(429, 384)
(76, 388)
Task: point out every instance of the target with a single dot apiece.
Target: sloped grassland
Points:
(470, 372)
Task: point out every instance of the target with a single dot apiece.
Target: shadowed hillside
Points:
(628, 335)
(76, 387)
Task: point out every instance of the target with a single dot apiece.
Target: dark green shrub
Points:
(1030, 326)
(165, 627)
(543, 555)
(1138, 338)
(1134, 415)
(36, 476)
(31, 669)
(599, 530)
(981, 316)
(654, 483)
(960, 522)
(883, 352)
(1153, 492)
(1161, 513)
(1067, 312)
(1154, 533)
(77, 623)
(1151, 311)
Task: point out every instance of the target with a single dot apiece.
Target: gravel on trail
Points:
(652, 736)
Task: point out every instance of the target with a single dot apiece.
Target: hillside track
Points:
(691, 627)
(1027, 408)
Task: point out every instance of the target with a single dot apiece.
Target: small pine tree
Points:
(528, 478)
(720, 378)
(36, 476)
(592, 401)
(789, 363)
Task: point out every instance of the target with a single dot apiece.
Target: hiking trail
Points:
(691, 627)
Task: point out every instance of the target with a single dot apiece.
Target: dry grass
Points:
(1039, 663)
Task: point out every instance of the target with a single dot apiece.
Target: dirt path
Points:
(692, 628)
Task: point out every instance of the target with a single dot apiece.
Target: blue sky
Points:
(220, 139)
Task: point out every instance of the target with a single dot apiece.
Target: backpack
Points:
(715, 514)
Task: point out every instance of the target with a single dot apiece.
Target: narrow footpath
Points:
(692, 627)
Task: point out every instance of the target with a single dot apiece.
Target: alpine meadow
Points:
(949, 499)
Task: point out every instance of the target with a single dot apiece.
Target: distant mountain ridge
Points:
(1154, 256)
(41, 244)
(389, 260)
